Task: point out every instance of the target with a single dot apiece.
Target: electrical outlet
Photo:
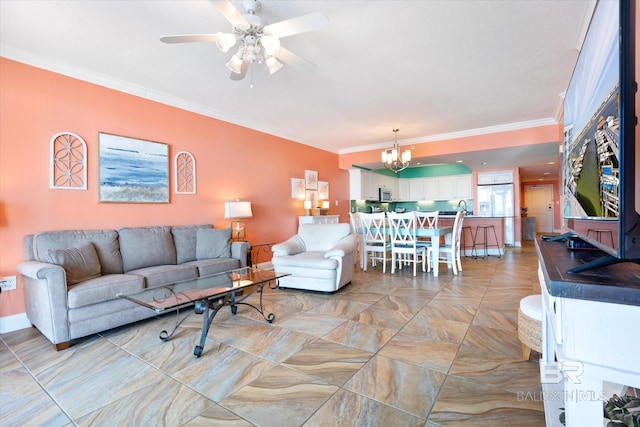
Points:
(8, 284)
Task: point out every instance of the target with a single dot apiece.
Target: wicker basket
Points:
(530, 331)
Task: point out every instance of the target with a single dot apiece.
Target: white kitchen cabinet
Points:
(416, 189)
(454, 187)
(403, 189)
(463, 187)
(364, 185)
(431, 190)
(500, 177)
(446, 189)
(388, 182)
(360, 185)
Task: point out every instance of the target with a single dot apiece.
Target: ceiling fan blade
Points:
(189, 38)
(290, 58)
(301, 24)
(230, 12)
(243, 72)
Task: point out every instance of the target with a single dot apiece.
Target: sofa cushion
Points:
(146, 247)
(80, 262)
(213, 243)
(207, 267)
(160, 275)
(305, 260)
(185, 238)
(105, 242)
(103, 288)
(322, 237)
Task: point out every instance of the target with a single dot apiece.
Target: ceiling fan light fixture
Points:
(270, 44)
(273, 65)
(225, 41)
(235, 64)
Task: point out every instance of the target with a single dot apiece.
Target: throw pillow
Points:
(213, 243)
(80, 262)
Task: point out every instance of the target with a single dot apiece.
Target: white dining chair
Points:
(426, 220)
(404, 247)
(375, 242)
(450, 251)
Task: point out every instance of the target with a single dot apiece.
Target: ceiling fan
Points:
(258, 42)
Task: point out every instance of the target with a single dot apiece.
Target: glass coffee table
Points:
(206, 293)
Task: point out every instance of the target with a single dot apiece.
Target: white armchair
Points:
(320, 257)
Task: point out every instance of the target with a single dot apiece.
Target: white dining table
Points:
(434, 233)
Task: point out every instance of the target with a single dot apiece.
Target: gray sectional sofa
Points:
(71, 278)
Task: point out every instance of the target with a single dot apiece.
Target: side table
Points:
(253, 254)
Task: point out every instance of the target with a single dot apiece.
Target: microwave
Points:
(385, 194)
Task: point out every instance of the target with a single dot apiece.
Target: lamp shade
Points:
(225, 41)
(235, 64)
(307, 204)
(237, 209)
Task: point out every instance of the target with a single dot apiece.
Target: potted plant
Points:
(523, 212)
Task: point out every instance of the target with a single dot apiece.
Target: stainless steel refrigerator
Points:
(497, 201)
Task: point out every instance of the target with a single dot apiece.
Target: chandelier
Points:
(255, 45)
(392, 158)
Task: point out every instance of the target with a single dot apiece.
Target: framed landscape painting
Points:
(133, 170)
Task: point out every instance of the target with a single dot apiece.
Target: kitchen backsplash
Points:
(439, 205)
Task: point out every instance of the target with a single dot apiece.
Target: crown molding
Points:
(453, 135)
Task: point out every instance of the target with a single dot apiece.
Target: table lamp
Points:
(325, 207)
(307, 206)
(237, 210)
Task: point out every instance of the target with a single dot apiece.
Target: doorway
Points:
(539, 201)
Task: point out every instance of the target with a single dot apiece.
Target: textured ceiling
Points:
(430, 68)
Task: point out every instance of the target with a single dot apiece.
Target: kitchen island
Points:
(468, 234)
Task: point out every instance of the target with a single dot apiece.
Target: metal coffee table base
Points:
(215, 304)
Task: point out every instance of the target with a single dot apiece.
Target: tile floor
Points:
(383, 351)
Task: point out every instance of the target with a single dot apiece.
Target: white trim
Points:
(14, 323)
(453, 135)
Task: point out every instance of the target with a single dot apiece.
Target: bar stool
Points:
(463, 240)
(530, 325)
(598, 234)
(485, 243)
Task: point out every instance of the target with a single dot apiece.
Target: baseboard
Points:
(14, 323)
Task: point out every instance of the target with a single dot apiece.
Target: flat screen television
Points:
(599, 179)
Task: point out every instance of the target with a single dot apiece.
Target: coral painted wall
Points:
(232, 162)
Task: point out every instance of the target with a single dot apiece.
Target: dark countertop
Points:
(617, 284)
(473, 217)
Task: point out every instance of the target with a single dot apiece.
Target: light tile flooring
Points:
(385, 350)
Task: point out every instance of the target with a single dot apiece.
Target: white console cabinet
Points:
(590, 339)
(319, 219)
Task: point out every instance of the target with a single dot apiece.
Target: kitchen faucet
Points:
(462, 205)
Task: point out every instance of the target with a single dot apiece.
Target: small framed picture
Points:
(297, 188)
(311, 178)
(312, 195)
(323, 190)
